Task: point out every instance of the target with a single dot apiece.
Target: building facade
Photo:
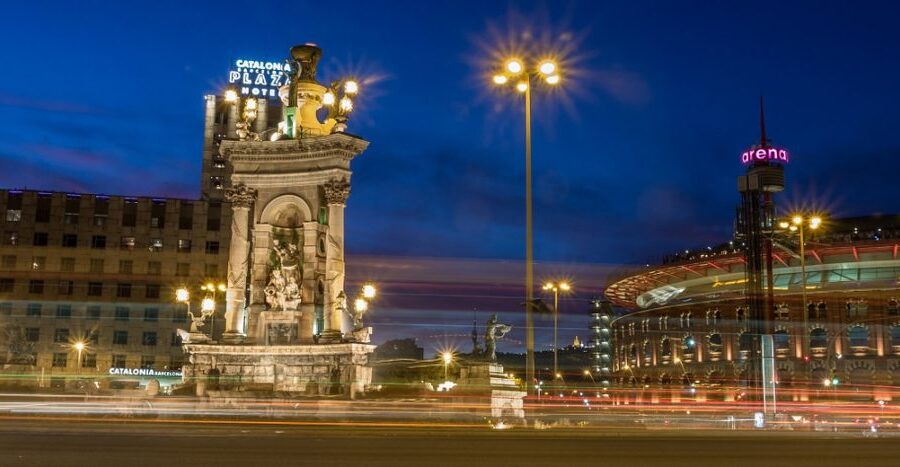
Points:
(686, 333)
(102, 270)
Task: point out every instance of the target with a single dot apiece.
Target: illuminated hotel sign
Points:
(144, 372)
(764, 155)
(259, 79)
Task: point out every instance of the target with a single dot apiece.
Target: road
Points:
(59, 441)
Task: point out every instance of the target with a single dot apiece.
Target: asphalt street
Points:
(85, 442)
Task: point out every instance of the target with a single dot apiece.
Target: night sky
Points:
(635, 157)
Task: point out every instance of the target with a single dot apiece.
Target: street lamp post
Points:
(212, 289)
(516, 70)
(798, 224)
(556, 288)
(447, 357)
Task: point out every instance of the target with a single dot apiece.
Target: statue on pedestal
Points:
(494, 331)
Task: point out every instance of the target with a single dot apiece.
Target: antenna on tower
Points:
(763, 141)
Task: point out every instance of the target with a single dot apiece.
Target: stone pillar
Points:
(336, 194)
(242, 199)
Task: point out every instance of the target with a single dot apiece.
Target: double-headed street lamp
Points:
(556, 288)
(523, 74)
(798, 223)
(208, 305)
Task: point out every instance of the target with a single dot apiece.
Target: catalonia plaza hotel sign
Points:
(258, 78)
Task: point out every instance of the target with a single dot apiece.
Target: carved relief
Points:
(337, 191)
(241, 196)
(283, 288)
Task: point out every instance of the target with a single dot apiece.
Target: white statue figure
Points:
(283, 290)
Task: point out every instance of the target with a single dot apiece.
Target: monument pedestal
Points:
(488, 379)
(323, 369)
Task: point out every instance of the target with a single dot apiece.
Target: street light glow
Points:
(514, 66)
(552, 79)
(182, 295)
(784, 224)
(564, 286)
(231, 95)
(521, 86)
(500, 79)
(208, 304)
(361, 305)
(447, 357)
(351, 87)
(328, 98)
(797, 220)
(369, 291)
(815, 222)
(346, 104)
(222, 287)
(547, 67)
(79, 346)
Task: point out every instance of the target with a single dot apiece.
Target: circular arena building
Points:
(684, 331)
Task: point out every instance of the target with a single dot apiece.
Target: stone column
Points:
(242, 199)
(336, 194)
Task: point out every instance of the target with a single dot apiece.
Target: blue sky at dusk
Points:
(634, 159)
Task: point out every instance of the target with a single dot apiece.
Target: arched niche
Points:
(286, 211)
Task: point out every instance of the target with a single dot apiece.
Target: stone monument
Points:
(285, 301)
(484, 376)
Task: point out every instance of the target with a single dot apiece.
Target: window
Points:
(10, 238)
(89, 360)
(42, 213)
(151, 314)
(148, 338)
(211, 270)
(98, 242)
(72, 207)
(67, 264)
(212, 248)
(66, 287)
(61, 335)
(33, 310)
(101, 210)
(38, 263)
(127, 243)
(129, 213)
(781, 340)
(179, 315)
(95, 289)
(152, 291)
(93, 312)
(859, 336)
(120, 337)
(40, 239)
(96, 266)
(154, 268)
(147, 361)
(184, 246)
(32, 334)
(123, 290)
(214, 216)
(36, 286)
(121, 313)
(183, 269)
(69, 240)
(715, 343)
(156, 244)
(186, 216)
(119, 361)
(818, 339)
(158, 214)
(7, 284)
(63, 311)
(59, 359)
(8, 262)
(126, 266)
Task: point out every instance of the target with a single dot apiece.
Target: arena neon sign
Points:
(764, 155)
(258, 78)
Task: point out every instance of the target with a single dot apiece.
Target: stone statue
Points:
(283, 290)
(356, 315)
(18, 350)
(494, 331)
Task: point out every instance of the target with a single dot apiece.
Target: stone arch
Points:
(287, 210)
(860, 374)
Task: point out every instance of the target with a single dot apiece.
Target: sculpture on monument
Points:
(494, 331)
(283, 290)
